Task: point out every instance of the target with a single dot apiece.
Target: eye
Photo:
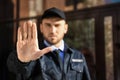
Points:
(57, 25)
(47, 25)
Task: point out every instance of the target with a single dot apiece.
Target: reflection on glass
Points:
(81, 36)
(81, 32)
(80, 4)
(35, 7)
(108, 48)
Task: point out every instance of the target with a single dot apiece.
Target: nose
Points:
(53, 29)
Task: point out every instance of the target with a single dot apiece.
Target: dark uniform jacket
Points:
(49, 67)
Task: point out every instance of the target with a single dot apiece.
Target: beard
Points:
(53, 40)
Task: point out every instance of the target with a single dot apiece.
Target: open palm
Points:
(27, 43)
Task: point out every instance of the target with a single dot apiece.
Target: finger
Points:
(44, 51)
(19, 36)
(29, 25)
(34, 31)
(25, 33)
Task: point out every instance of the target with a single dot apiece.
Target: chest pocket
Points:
(77, 65)
(75, 71)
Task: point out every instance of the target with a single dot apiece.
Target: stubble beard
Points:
(53, 41)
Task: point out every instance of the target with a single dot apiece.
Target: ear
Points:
(66, 28)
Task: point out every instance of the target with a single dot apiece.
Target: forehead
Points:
(53, 20)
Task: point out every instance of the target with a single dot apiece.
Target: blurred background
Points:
(94, 29)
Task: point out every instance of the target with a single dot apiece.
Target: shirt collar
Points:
(53, 47)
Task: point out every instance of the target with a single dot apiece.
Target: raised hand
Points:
(27, 43)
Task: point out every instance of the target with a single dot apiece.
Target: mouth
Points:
(52, 36)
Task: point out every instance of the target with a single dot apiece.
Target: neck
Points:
(60, 45)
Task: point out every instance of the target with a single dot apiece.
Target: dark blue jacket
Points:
(49, 67)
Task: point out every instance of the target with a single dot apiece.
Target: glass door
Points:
(81, 36)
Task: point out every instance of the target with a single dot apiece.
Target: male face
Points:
(53, 30)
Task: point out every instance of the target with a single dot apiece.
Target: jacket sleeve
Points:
(19, 68)
(86, 75)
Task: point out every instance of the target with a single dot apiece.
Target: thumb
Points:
(43, 51)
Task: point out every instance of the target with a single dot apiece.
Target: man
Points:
(51, 60)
